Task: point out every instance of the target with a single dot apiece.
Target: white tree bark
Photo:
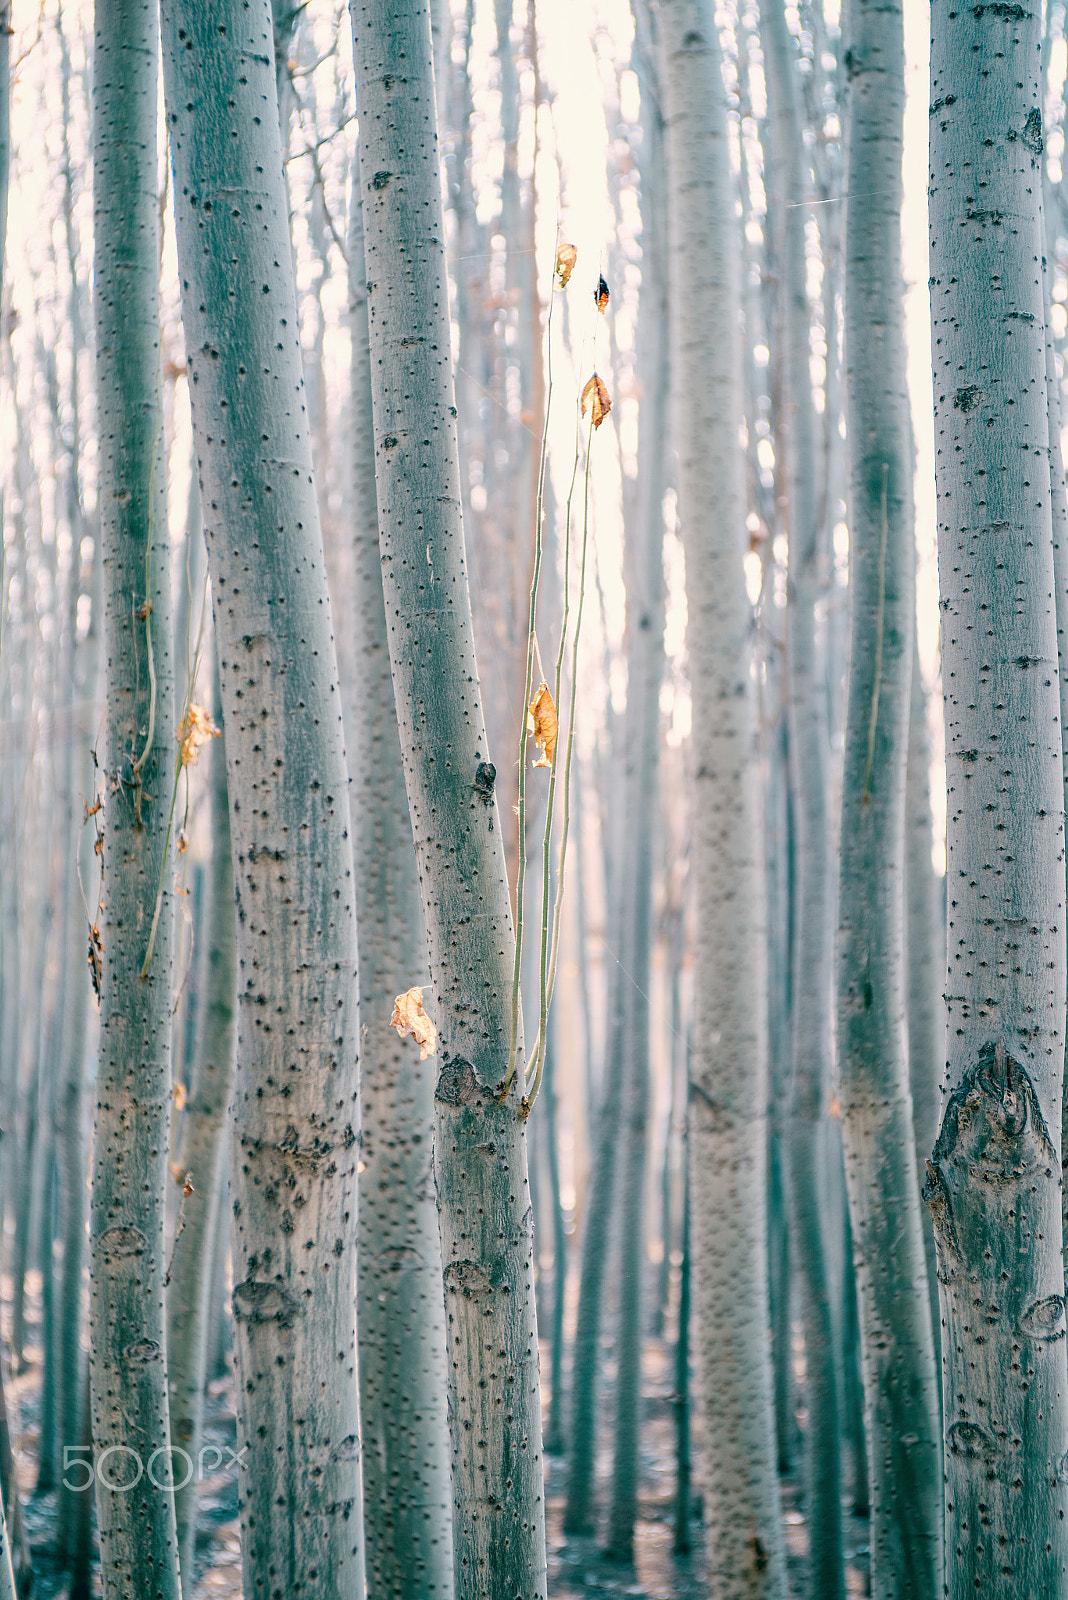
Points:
(131, 1433)
(480, 1151)
(295, 1114)
(728, 1108)
(993, 1179)
(401, 1312)
(901, 1408)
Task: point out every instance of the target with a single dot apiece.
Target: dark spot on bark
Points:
(968, 398)
(467, 1278)
(389, 444)
(1044, 1319)
(380, 179)
(948, 100)
(142, 1352)
(264, 1302)
(1032, 133)
(118, 1243)
(969, 755)
(485, 778)
(968, 1439)
(457, 1084)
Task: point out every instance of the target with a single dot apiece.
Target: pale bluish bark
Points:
(993, 1179)
(644, 535)
(807, 1133)
(138, 1547)
(728, 1101)
(200, 1161)
(901, 1410)
(480, 1150)
(295, 1122)
(400, 1308)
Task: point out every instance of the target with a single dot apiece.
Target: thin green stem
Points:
(549, 978)
(528, 686)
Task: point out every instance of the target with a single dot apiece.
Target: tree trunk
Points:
(728, 1102)
(993, 1179)
(923, 961)
(295, 1123)
(901, 1410)
(480, 1151)
(139, 1553)
(201, 1158)
(644, 535)
(808, 760)
(400, 1310)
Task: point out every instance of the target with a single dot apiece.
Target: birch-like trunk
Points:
(480, 1152)
(808, 1144)
(295, 1123)
(131, 1432)
(993, 1180)
(200, 1159)
(924, 952)
(901, 1408)
(400, 1308)
(728, 1102)
(644, 534)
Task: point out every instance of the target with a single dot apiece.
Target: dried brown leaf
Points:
(595, 399)
(601, 295)
(410, 1019)
(194, 730)
(541, 722)
(566, 256)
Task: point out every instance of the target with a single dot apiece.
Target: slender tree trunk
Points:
(295, 1123)
(555, 1443)
(681, 1541)
(728, 1101)
(993, 1181)
(480, 1150)
(579, 1509)
(813, 885)
(139, 1553)
(901, 1409)
(200, 1164)
(401, 1313)
(645, 603)
(923, 960)
(46, 1445)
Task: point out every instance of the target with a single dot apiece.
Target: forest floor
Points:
(578, 1569)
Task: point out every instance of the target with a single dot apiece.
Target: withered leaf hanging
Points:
(601, 295)
(541, 721)
(595, 399)
(566, 256)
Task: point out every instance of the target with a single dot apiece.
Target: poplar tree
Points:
(728, 1095)
(993, 1183)
(901, 1410)
(400, 1308)
(131, 1436)
(295, 1122)
(480, 1150)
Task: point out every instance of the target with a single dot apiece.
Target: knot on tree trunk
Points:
(992, 1186)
